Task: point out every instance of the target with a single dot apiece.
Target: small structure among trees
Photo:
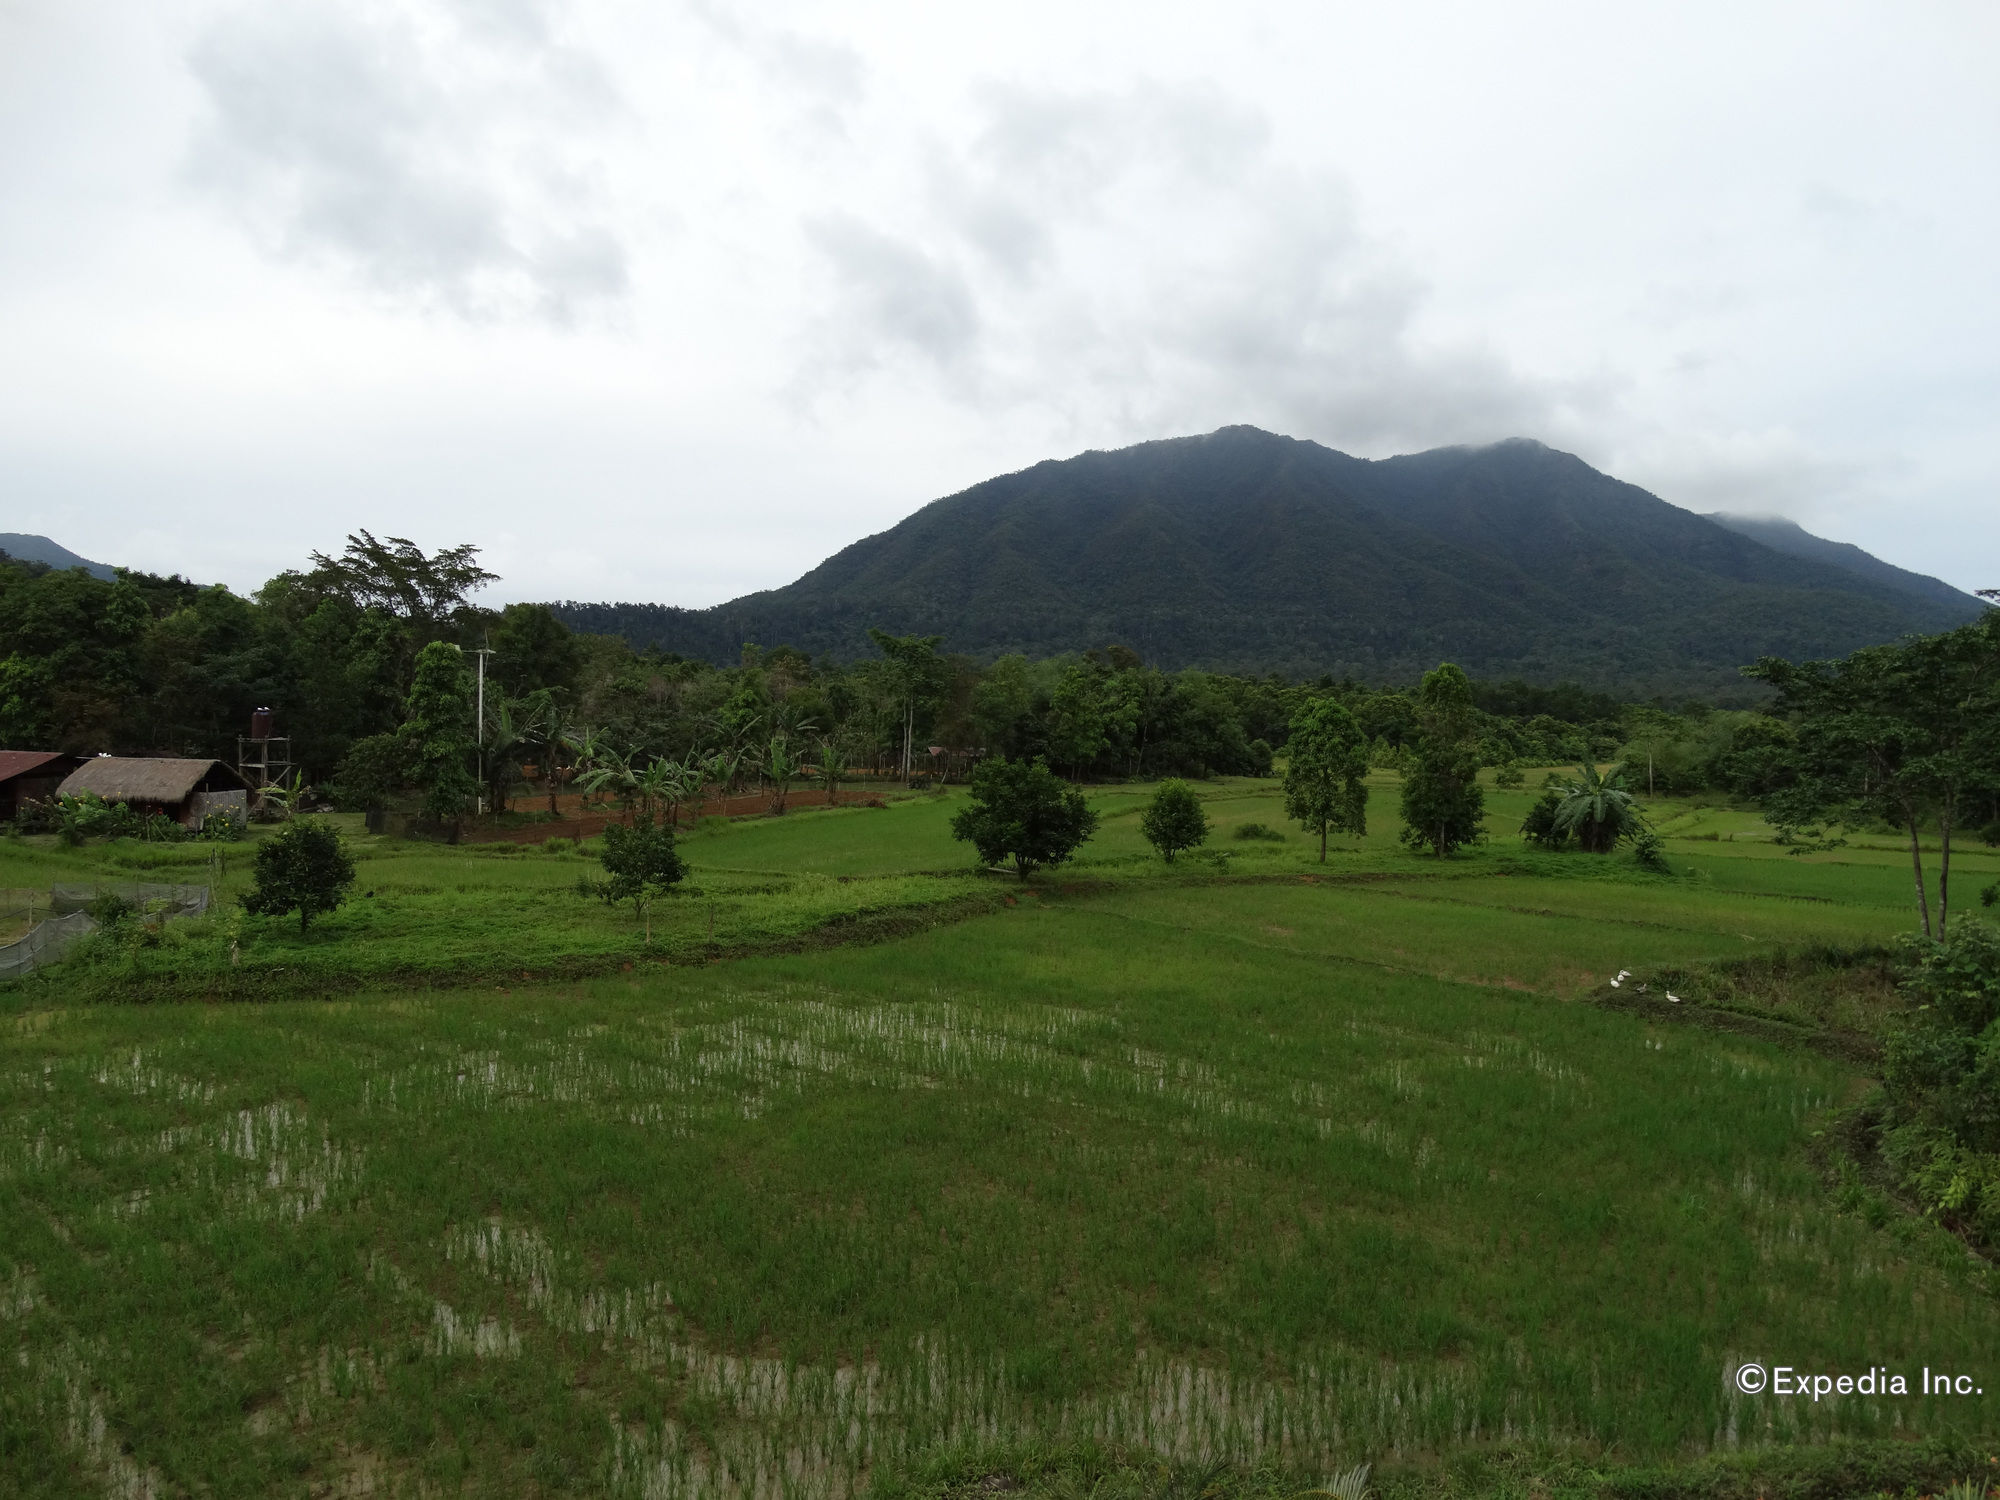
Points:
(185, 790)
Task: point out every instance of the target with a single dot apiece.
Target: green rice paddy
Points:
(1248, 1161)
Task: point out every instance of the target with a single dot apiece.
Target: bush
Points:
(220, 828)
(1258, 831)
(1173, 820)
(1941, 1080)
(1540, 827)
(1509, 775)
(1023, 811)
(640, 863)
(1651, 852)
(304, 868)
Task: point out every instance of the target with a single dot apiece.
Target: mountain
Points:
(20, 544)
(1246, 551)
(1789, 537)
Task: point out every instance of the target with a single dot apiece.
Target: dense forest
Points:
(1243, 551)
(148, 665)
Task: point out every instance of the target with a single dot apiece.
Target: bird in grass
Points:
(1623, 975)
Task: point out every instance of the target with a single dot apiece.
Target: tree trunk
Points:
(1322, 843)
(1917, 866)
(1944, 867)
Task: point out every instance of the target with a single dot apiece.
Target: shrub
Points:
(1941, 1079)
(1173, 820)
(221, 828)
(1651, 852)
(640, 863)
(304, 868)
(1509, 775)
(1540, 827)
(1023, 811)
(1258, 831)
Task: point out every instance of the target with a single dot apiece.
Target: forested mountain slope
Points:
(1242, 550)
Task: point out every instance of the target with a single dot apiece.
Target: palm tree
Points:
(1598, 810)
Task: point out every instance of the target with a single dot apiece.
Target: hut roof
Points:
(131, 778)
(21, 762)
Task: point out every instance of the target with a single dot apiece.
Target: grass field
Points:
(1249, 1160)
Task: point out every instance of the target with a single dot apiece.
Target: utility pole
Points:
(479, 712)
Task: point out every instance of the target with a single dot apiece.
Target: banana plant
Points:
(830, 768)
(781, 765)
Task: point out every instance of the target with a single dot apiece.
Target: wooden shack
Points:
(31, 776)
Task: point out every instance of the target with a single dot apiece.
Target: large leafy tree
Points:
(1443, 807)
(1023, 811)
(304, 868)
(1907, 734)
(396, 576)
(1174, 820)
(1326, 789)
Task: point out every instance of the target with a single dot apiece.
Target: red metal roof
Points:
(20, 762)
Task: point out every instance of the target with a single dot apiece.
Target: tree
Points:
(375, 771)
(1906, 734)
(1021, 810)
(1443, 806)
(640, 863)
(304, 868)
(918, 674)
(1173, 820)
(437, 727)
(1326, 788)
(1597, 810)
(1077, 720)
(396, 576)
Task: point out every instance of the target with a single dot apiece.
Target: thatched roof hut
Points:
(185, 790)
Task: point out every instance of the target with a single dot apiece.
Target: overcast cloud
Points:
(670, 301)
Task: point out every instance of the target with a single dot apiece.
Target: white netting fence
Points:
(59, 919)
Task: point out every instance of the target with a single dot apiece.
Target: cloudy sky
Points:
(669, 299)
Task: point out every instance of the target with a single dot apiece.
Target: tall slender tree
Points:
(1326, 771)
(1443, 807)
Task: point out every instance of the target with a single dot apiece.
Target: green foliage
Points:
(1907, 735)
(1258, 832)
(1023, 811)
(1539, 827)
(1443, 806)
(438, 732)
(640, 864)
(221, 828)
(1597, 811)
(375, 771)
(1941, 1080)
(1325, 786)
(1174, 820)
(304, 867)
(1650, 850)
(1509, 776)
(1246, 551)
